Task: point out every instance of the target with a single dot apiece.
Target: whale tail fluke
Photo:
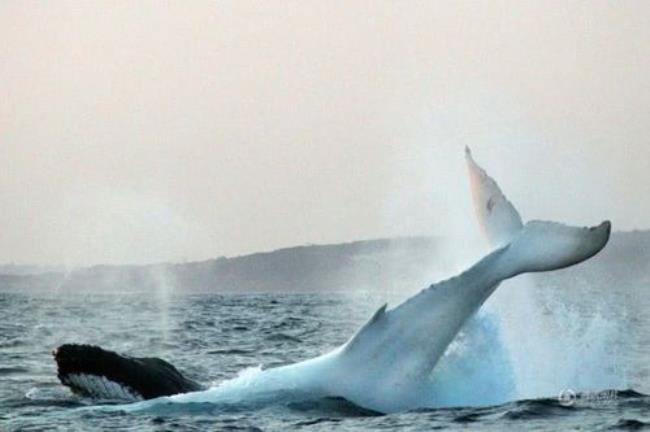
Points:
(498, 218)
(544, 246)
(537, 245)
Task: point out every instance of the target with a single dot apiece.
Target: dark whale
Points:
(92, 371)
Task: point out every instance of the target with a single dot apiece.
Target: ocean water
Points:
(593, 377)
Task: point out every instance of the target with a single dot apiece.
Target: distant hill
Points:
(24, 269)
(313, 268)
(374, 264)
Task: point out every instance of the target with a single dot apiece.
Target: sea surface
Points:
(213, 338)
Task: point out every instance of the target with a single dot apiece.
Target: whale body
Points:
(385, 366)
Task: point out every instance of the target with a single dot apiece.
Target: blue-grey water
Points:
(215, 337)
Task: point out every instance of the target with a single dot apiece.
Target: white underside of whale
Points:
(386, 366)
(101, 387)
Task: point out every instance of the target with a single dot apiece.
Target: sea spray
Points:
(552, 344)
(475, 369)
(164, 289)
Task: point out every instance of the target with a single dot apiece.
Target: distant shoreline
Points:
(399, 263)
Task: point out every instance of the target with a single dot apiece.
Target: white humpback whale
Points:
(384, 367)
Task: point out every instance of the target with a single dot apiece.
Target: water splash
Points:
(553, 344)
(475, 370)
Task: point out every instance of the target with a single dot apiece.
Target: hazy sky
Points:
(152, 131)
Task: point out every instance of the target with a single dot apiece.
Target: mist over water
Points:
(164, 290)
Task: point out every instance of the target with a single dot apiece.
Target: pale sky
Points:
(135, 131)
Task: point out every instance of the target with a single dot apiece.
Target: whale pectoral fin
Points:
(497, 217)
